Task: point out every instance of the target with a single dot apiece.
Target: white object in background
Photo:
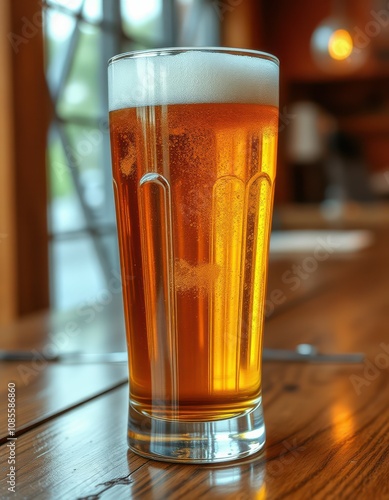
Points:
(306, 241)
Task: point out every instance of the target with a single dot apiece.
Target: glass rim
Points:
(177, 50)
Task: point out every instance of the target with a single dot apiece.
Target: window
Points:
(80, 37)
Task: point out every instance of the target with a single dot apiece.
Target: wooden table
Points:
(327, 424)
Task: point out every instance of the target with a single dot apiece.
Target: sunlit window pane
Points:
(143, 19)
(82, 93)
(65, 209)
(93, 10)
(70, 5)
(59, 28)
(110, 247)
(72, 288)
(86, 148)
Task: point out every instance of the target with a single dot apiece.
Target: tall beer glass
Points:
(193, 138)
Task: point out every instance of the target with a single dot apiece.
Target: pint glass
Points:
(193, 140)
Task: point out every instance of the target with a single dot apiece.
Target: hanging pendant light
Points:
(333, 44)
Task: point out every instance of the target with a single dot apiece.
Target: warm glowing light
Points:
(261, 494)
(343, 423)
(340, 45)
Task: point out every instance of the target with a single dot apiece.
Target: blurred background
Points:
(57, 223)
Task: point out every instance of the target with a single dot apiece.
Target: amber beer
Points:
(194, 185)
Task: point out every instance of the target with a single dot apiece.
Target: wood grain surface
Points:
(327, 424)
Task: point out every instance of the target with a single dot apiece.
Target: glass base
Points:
(196, 442)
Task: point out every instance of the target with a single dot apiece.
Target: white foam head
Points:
(193, 76)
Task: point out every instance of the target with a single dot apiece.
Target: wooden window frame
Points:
(24, 256)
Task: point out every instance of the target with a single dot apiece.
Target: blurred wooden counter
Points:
(327, 425)
(330, 215)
